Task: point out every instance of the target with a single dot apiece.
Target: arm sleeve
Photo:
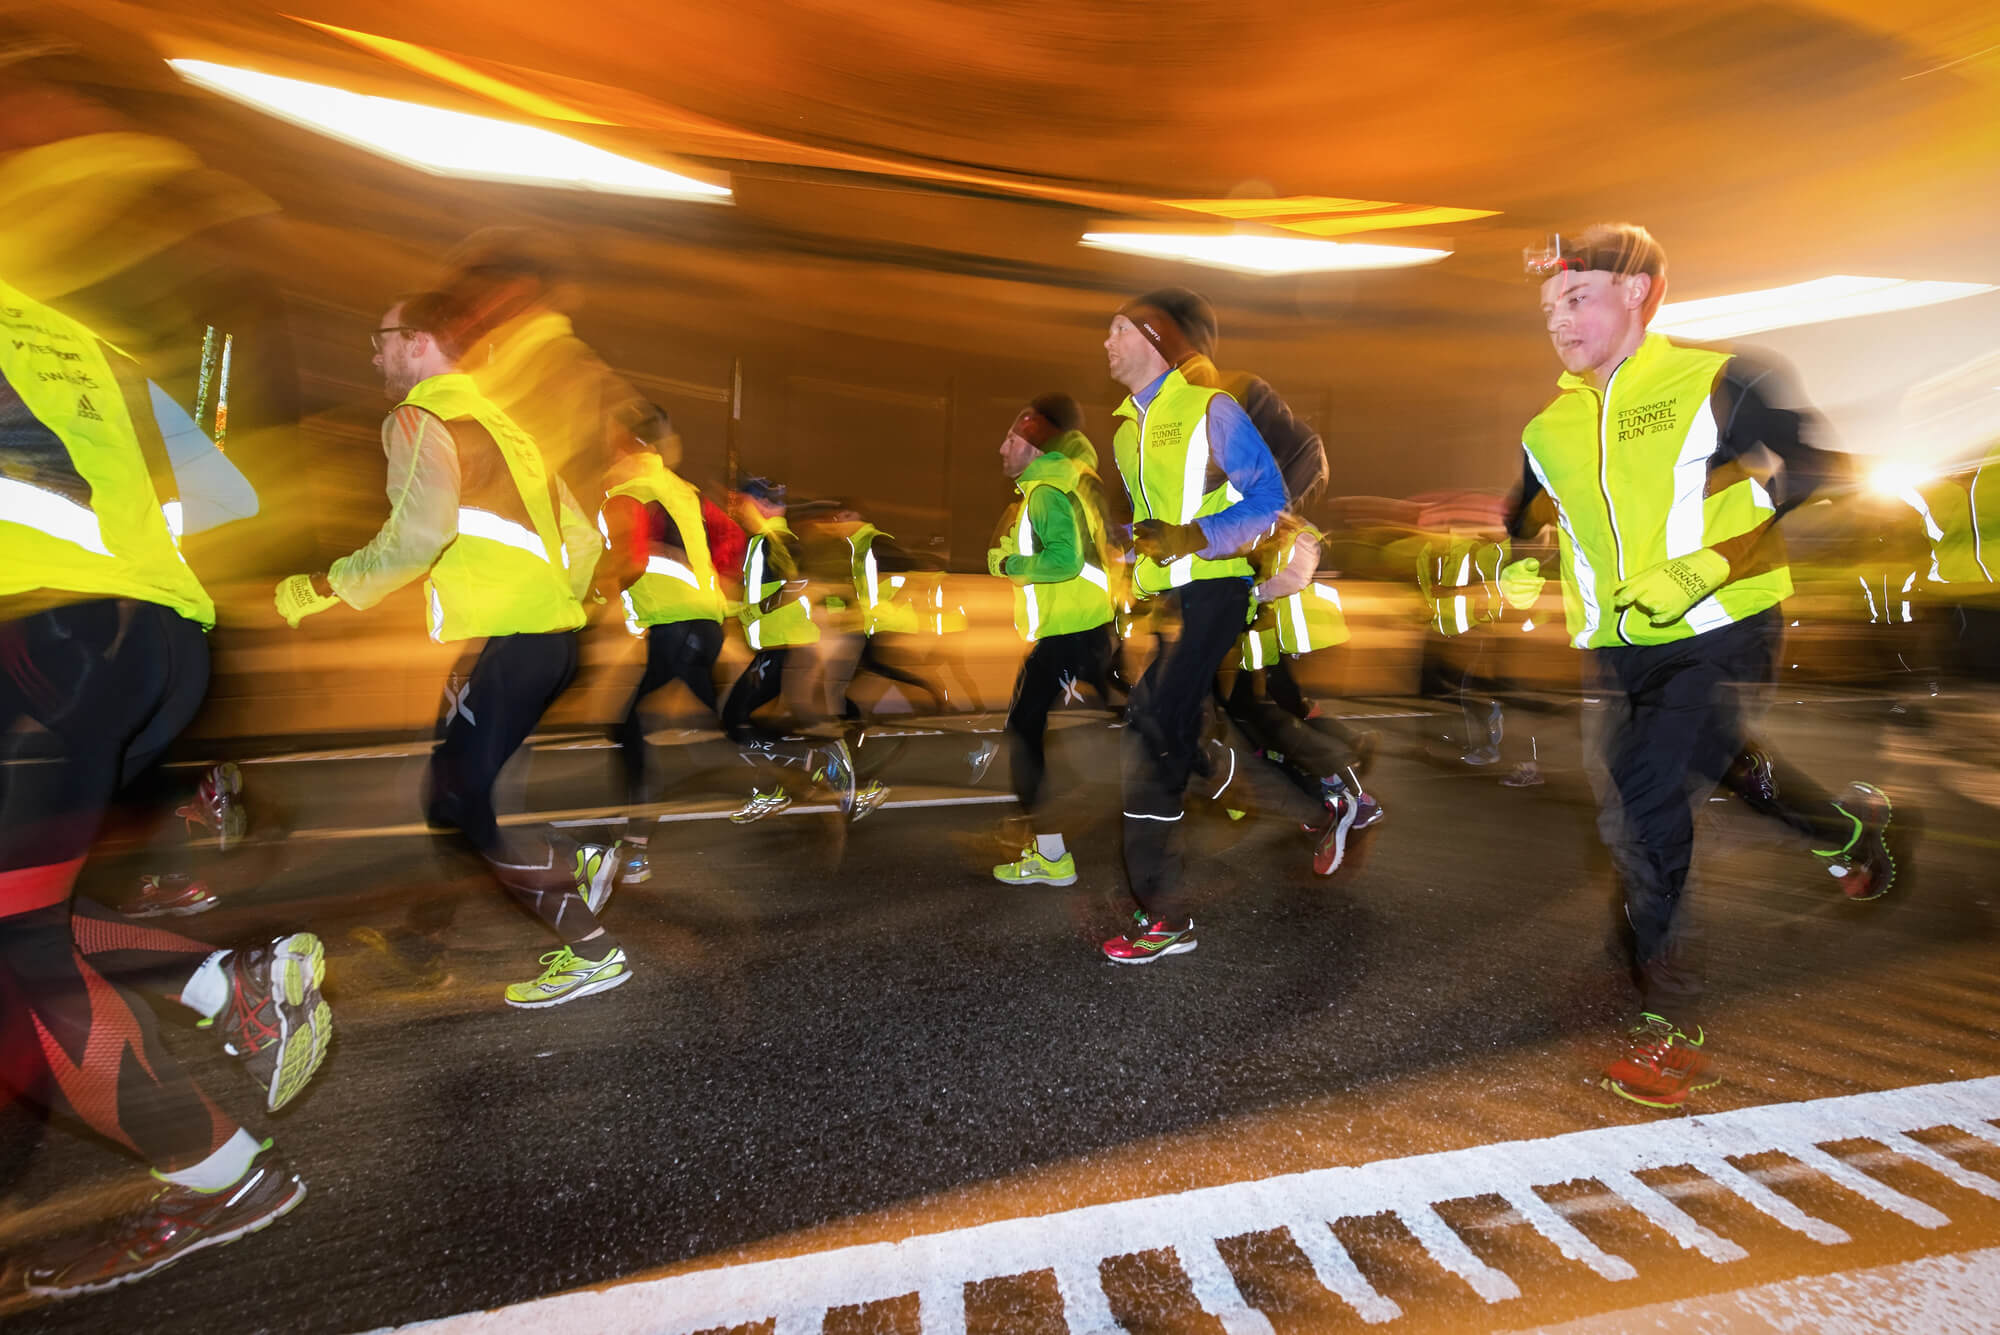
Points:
(1748, 419)
(1529, 509)
(1056, 534)
(583, 545)
(1236, 448)
(1296, 575)
(423, 511)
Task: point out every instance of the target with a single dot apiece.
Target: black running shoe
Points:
(1865, 868)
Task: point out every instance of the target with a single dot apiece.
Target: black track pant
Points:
(90, 694)
(1251, 704)
(1163, 728)
(1054, 673)
(513, 683)
(682, 651)
(1671, 725)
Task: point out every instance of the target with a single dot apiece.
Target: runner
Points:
(1672, 574)
(506, 557)
(103, 661)
(1053, 555)
(1184, 452)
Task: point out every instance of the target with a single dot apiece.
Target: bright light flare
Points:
(1893, 477)
(451, 143)
(1248, 253)
(1838, 297)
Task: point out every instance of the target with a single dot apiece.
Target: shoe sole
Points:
(257, 1225)
(182, 912)
(577, 993)
(596, 891)
(1339, 833)
(1036, 880)
(743, 818)
(1177, 948)
(1624, 1093)
(298, 968)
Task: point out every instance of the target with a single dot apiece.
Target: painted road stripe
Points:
(589, 816)
(796, 1293)
(1937, 1293)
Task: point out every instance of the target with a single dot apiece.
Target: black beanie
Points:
(1189, 310)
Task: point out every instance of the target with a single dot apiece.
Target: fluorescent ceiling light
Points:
(1325, 215)
(451, 143)
(1840, 297)
(1247, 253)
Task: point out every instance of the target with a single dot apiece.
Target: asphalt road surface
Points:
(855, 1085)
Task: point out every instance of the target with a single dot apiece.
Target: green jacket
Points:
(1054, 552)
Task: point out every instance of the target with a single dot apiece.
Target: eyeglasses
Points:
(376, 337)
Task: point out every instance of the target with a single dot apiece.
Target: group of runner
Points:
(528, 484)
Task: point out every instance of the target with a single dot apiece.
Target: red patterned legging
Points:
(90, 694)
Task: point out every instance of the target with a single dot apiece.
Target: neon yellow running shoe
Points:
(566, 976)
(1034, 869)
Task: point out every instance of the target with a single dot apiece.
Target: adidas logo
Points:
(85, 411)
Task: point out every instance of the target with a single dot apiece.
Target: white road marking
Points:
(598, 816)
(1922, 1297)
(797, 1292)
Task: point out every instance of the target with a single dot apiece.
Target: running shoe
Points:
(1527, 774)
(1865, 868)
(868, 797)
(217, 806)
(1368, 813)
(596, 875)
(836, 771)
(175, 1222)
(1031, 868)
(634, 868)
(567, 976)
(760, 805)
(169, 896)
(1149, 940)
(275, 1020)
(1331, 850)
(1481, 755)
(1661, 1065)
(981, 759)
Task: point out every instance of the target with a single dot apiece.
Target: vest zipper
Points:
(1604, 490)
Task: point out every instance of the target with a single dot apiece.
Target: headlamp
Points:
(1554, 256)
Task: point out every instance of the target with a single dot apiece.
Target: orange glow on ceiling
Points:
(459, 74)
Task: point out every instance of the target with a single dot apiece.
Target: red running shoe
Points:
(177, 1221)
(1662, 1064)
(1149, 940)
(1332, 847)
(169, 896)
(218, 807)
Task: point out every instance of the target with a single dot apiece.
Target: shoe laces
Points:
(557, 961)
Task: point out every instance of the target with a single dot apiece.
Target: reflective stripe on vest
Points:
(1024, 544)
(46, 512)
(485, 524)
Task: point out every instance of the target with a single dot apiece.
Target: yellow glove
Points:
(297, 599)
(1521, 583)
(1670, 589)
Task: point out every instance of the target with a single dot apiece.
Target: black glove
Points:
(1166, 542)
